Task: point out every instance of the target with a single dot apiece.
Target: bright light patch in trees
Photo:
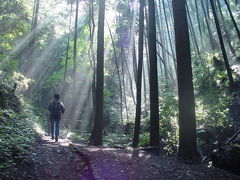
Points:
(38, 128)
(110, 16)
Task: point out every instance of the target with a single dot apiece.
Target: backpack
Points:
(56, 110)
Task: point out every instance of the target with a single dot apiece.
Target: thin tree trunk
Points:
(33, 13)
(228, 68)
(168, 29)
(169, 37)
(228, 39)
(33, 36)
(147, 52)
(68, 40)
(129, 74)
(75, 46)
(232, 18)
(134, 56)
(124, 86)
(193, 33)
(91, 32)
(146, 40)
(211, 39)
(162, 39)
(145, 93)
(92, 58)
(139, 75)
(118, 74)
(198, 20)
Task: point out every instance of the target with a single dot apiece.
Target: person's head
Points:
(56, 96)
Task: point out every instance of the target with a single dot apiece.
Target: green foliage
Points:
(144, 139)
(76, 137)
(8, 100)
(112, 104)
(13, 22)
(168, 120)
(117, 140)
(212, 92)
(17, 124)
(35, 114)
(17, 136)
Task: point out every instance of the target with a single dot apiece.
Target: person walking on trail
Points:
(56, 109)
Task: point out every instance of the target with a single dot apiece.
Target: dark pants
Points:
(55, 123)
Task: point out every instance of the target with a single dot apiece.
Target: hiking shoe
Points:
(56, 139)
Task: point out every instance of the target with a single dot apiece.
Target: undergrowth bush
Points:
(144, 139)
(117, 140)
(76, 137)
(17, 134)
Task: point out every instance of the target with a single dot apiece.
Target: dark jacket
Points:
(56, 109)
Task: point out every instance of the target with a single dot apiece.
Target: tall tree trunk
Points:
(118, 74)
(193, 33)
(139, 75)
(92, 58)
(68, 40)
(75, 46)
(168, 29)
(134, 58)
(162, 40)
(198, 20)
(145, 114)
(123, 83)
(146, 39)
(232, 18)
(154, 110)
(73, 110)
(211, 39)
(98, 121)
(227, 35)
(187, 120)
(91, 32)
(33, 13)
(228, 68)
(129, 74)
(147, 57)
(33, 35)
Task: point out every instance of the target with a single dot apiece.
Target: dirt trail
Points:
(51, 160)
(75, 161)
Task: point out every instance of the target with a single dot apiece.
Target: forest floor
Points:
(65, 160)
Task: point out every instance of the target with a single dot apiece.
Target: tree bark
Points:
(139, 75)
(123, 83)
(129, 74)
(187, 120)
(68, 40)
(227, 35)
(33, 36)
(154, 110)
(211, 39)
(118, 74)
(168, 29)
(162, 42)
(198, 20)
(75, 45)
(232, 18)
(228, 68)
(98, 121)
(193, 33)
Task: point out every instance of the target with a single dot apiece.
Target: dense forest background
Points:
(122, 69)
